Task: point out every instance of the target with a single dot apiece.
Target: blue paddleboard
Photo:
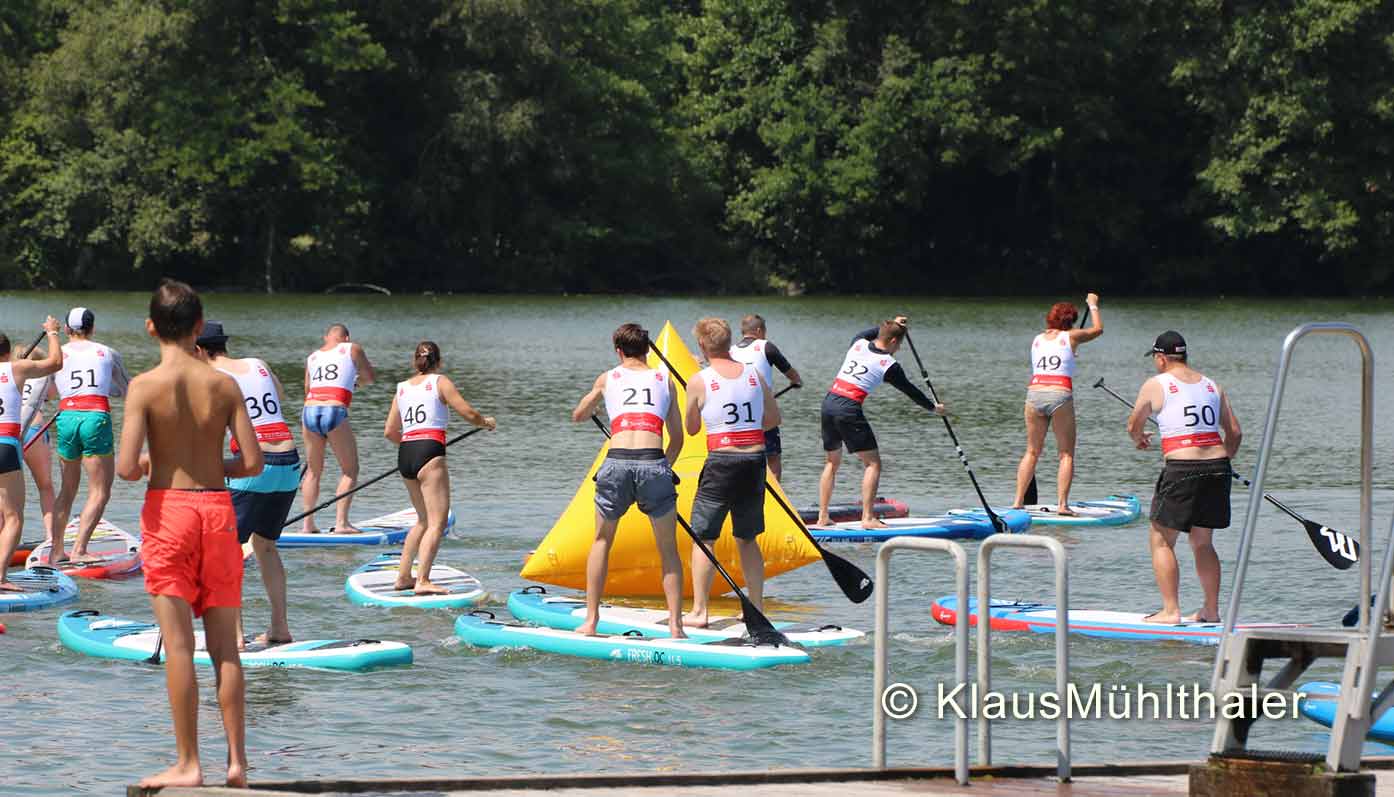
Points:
(386, 530)
(729, 654)
(969, 524)
(1041, 618)
(95, 634)
(567, 612)
(43, 588)
(371, 585)
(1115, 510)
(1322, 710)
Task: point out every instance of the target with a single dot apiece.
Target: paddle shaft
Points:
(997, 522)
(1031, 491)
(452, 441)
(34, 410)
(787, 389)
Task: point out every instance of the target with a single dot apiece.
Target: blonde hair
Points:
(713, 335)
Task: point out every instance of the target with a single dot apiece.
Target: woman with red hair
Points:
(1050, 395)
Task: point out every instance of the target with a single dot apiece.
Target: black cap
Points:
(212, 333)
(1169, 342)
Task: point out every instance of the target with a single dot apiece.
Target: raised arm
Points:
(673, 422)
(1229, 424)
(456, 402)
(393, 430)
(128, 454)
(366, 374)
(52, 361)
(586, 407)
(1149, 399)
(1096, 326)
(772, 417)
(248, 461)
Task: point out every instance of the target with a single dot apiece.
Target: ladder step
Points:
(1282, 756)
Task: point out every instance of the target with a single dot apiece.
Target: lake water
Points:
(76, 724)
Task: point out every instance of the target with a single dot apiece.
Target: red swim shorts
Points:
(189, 544)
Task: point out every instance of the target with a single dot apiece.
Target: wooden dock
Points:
(1136, 779)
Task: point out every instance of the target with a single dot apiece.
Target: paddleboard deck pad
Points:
(1042, 618)
(568, 612)
(844, 513)
(385, 530)
(481, 630)
(43, 588)
(1324, 700)
(968, 525)
(117, 552)
(95, 634)
(371, 585)
(1115, 510)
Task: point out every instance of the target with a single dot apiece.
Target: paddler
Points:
(416, 422)
(754, 349)
(38, 446)
(14, 375)
(869, 362)
(735, 404)
(1050, 396)
(92, 374)
(193, 563)
(1200, 436)
(332, 373)
(641, 403)
(263, 501)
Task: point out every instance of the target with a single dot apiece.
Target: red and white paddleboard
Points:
(117, 552)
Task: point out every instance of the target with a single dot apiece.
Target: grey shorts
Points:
(1046, 402)
(630, 476)
(730, 484)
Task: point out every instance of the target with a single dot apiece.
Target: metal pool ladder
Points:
(1241, 654)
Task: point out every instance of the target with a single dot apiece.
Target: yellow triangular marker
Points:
(634, 568)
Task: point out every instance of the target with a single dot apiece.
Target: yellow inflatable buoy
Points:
(560, 558)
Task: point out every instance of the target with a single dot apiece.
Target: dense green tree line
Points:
(991, 146)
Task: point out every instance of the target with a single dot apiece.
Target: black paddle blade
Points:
(758, 626)
(998, 523)
(1031, 496)
(855, 583)
(1338, 549)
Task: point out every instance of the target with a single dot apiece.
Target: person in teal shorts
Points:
(92, 374)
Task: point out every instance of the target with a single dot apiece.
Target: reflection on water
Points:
(527, 361)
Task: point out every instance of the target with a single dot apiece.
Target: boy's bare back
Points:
(186, 407)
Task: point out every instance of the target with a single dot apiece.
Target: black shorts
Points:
(844, 423)
(262, 514)
(774, 446)
(412, 456)
(735, 484)
(10, 456)
(1192, 493)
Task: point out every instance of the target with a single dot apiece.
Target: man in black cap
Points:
(1199, 437)
(261, 502)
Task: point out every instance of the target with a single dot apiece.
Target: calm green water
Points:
(72, 723)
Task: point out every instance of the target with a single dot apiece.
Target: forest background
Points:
(867, 146)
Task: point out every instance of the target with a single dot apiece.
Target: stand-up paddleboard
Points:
(1116, 510)
(566, 613)
(1041, 618)
(385, 530)
(43, 588)
(843, 513)
(95, 634)
(1323, 700)
(118, 553)
(481, 630)
(371, 585)
(971, 525)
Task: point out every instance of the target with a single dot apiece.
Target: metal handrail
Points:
(883, 563)
(1367, 425)
(1062, 640)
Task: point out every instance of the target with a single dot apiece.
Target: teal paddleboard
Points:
(1115, 510)
(371, 585)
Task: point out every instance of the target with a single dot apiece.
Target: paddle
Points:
(1338, 549)
(787, 389)
(852, 580)
(34, 410)
(761, 630)
(452, 441)
(1031, 496)
(997, 522)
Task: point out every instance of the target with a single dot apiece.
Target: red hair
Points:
(1062, 315)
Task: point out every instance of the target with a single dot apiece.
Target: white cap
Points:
(80, 318)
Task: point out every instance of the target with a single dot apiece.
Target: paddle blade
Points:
(1338, 549)
(758, 626)
(855, 583)
(1031, 496)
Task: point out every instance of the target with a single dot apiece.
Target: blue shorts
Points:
(262, 502)
(33, 432)
(774, 445)
(281, 473)
(323, 418)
